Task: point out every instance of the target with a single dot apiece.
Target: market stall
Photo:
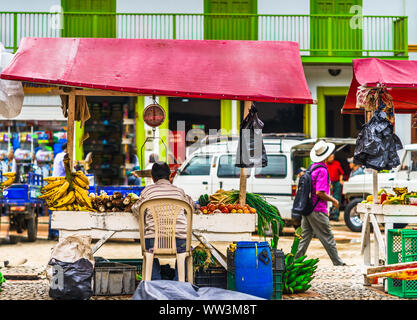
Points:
(394, 83)
(80, 67)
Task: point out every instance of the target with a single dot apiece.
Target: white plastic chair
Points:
(165, 212)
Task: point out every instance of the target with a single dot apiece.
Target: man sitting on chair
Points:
(163, 188)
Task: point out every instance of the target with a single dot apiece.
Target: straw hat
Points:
(321, 151)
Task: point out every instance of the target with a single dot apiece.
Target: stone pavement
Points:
(330, 283)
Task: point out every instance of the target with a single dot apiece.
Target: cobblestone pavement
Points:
(330, 283)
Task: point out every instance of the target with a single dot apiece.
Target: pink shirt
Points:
(321, 182)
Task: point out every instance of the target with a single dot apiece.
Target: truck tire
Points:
(32, 225)
(352, 219)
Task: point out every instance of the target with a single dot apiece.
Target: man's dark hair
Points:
(64, 146)
(160, 170)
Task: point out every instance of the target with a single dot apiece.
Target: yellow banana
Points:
(48, 194)
(83, 177)
(52, 179)
(66, 200)
(61, 191)
(52, 185)
(82, 196)
(80, 182)
(9, 174)
(7, 183)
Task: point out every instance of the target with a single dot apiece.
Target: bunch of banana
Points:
(299, 273)
(11, 176)
(399, 191)
(63, 195)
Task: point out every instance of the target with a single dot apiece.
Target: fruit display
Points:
(228, 202)
(298, 273)
(226, 208)
(203, 200)
(69, 193)
(10, 178)
(114, 202)
(402, 196)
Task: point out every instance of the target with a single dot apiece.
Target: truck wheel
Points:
(32, 225)
(352, 218)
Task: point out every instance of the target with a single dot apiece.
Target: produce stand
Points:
(124, 225)
(97, 67)
(400, 80)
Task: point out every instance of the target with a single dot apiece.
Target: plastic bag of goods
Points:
(71, 269)
(11, 92)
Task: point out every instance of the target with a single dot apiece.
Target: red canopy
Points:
(269, 71)
(399, 76)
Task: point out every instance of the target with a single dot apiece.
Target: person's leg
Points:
(337, 194)
(156, 268)
(321, 226)
(306, 235)
(180, 248)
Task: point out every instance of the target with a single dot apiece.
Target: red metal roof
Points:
(269, 71)
(399, 76)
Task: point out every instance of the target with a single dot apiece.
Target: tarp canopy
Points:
(398, 76)
(268, 71)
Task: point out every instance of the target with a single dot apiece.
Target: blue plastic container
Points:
(253, 268)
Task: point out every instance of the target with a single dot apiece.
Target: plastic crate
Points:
(402, 247)
(231, 284)
(278, 260)
(137, 263)
(211, 277)
(277, 285)
(113, 278)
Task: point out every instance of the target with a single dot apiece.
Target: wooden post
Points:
(70, 132)
(242, 183)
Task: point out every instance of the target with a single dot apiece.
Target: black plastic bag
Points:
(71, 280)
(251, 150)
(377, 144)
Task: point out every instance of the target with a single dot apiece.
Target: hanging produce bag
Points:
(251, 150)
(377, 144)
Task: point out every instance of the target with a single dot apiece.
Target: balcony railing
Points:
(319, 36)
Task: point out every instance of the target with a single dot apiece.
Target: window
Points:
(227, 168)
(276, 168)
(198, 166)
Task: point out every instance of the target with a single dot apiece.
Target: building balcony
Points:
(322, 38)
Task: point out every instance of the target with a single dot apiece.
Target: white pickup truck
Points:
(360, 186)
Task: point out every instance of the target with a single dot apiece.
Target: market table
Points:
(124, 225)
(387, 214)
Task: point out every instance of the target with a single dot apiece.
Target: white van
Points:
(212, 167)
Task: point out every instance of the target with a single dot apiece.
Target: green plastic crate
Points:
(133, 262)
(277, 285)
(402, 247)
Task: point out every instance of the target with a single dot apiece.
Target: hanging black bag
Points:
(251, 150)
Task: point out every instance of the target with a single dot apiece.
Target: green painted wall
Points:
(140, 130)
(231, 28)
(322, 92)
(226, 116)
(78, 135)
(95, 26)
(164, 130)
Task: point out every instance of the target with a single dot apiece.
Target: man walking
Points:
(336, 177)
(317, 222)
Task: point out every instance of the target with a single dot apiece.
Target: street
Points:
(330, 282)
